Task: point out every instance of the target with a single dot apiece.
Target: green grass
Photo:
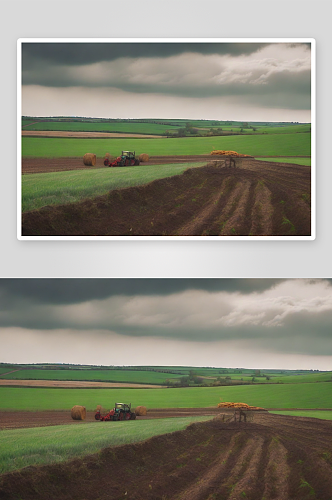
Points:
(269, 144)
(141, 376)
(138, 377)
(297, 161)
(158, 126)
(129, 127)
(324, 415)
(57, 188)
(309, 396)
(44, 445)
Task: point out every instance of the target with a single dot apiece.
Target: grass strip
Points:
(295, 161)
(269, 144)
(45, 445)
(310, 396)
(324, 415)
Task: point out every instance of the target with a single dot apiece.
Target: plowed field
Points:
(273, 458)
(259, 199)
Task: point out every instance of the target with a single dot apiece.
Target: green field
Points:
(128, 128)
(269, 145)
(323, 415)
(146, 376)
(297, 161)
(150, 126)
(57, 188)
(309, 396)
(132, 376)
(44, 445)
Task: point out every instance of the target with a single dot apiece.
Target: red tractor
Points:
(127, 159)
(121, 411)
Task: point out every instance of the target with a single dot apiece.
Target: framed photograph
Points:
(166, 388)
(182, 139)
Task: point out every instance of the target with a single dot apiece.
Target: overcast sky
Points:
(249, 323)
(223, 81)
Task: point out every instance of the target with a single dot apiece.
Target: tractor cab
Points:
(122, 407)
(128, 154)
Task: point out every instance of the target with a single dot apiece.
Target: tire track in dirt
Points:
(276, 473)
(239, 478)
(206, 216)
(235, 210)
(262, 211)
(211, 478)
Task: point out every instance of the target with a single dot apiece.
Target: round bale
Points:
(78, 412)
(89, 159)
(143, 157)
(140, 411)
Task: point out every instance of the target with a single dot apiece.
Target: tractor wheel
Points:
(136, 162)
(133, 416)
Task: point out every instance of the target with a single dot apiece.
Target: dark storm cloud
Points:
(73, 291)
(282, 315)
(266, 75)
(71, 54)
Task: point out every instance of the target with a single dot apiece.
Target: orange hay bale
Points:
(140, 411)
(78, 412)
(89, 159)
(143, 157)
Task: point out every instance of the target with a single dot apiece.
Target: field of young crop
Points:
(44, 445)
(142, 376)
(129, 128)
(298, 161)
(323, 415)
(133, 376)
(269, 145)
(56, 188)
(160, 127)
(276, 396)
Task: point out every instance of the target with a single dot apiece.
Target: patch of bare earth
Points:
(31, 165)
(258, 199)
(268, 459)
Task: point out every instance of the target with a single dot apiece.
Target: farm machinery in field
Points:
(127, 159)
(121, 411)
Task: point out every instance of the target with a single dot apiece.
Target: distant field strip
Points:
(43, 445)
(324, 415)
(269, 144)
(134, 128)
(133, 376)
(276, 396)
(57, 188)
(297, 161)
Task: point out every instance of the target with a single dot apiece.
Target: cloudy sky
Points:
(223, 81)
(249, 323)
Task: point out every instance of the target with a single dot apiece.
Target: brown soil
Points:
(275, 457)
(25, 419)
(84, 135)
(72, 383)
(259, 199)
(44, 165)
